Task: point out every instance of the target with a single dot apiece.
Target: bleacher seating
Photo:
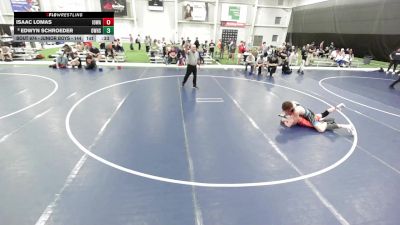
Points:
(24, 53)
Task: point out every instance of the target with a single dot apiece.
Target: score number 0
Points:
(108, 26)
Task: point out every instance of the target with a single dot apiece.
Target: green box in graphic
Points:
(108, 30)
(234, 12)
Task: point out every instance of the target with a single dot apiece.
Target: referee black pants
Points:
(190, 69)
(395, 82)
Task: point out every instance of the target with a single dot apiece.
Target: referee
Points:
(192, 60)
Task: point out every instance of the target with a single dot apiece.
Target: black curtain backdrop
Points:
(377, 46)
(369, 27)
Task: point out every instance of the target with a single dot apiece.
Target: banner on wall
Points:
(156, 5)
(25, 5)
(234, 13)
(195, 11)
(116, 6)
(232, 24)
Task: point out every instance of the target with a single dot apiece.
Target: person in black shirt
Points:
(211, 47)
(197, 43)
(304, 54)
(94, 52)
(272, 64)
(285, 67)
(394, 60)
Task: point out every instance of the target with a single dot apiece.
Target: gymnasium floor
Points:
(160, 154)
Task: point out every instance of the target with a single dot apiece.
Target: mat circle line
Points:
(355, 102)
(203, 184)
(36, 103)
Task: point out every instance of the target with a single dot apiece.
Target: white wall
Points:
(267, 34)
(202, 31)
(308, 2)
(6, 13)
(154, 23)
(266, 16)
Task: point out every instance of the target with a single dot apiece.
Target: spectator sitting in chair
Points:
(61, 62)
(250, 61)
(260, 64)
(110, 53)
(340, 58)
(118, 46)
(5, 54)
(154, 49)
(90, 62)
(272, 64)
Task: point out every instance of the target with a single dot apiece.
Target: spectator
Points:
(264, 49)
(139, 41)
(285, 67)
(333, 54)
(332, 47)
(118, 46)
(304, 54)
(61, 62)
(310, 56)
(5, 54)
(272, 64)
(241, 51)
(212, 46)
(220, 47)
(205, 47)
(250, 61)
(340, 58)
(260, 64)
(79, 46)
(172, 56)
(90, 62)
(110, 53)
(182, 42)
(154, 49)
(131, 42)
(102, 45)
(147, 42)
(293, 56)
(95, 53)
(232, 50)
(76, 61)
(197, 43)
(164, 47)
(67, 50)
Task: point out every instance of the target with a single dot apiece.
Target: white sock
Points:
(340, 106)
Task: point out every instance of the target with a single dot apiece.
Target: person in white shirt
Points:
(250, 61)
(260, 64)
(192, 60)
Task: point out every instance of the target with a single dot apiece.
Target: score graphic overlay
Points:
(63, 26)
